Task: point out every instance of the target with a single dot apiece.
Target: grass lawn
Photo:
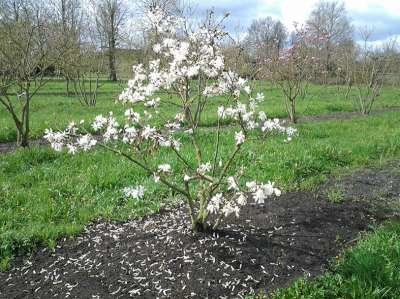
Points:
(369, 270)
(45, 195)
(52, 108)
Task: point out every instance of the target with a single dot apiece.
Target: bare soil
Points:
(344, 115)
(268, 247)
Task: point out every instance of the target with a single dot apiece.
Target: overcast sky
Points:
(383, 16)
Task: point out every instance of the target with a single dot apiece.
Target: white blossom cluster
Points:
(232, 203)
(179, 63)
(134, 192)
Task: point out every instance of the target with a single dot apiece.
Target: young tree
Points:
(85, 73)
(190, 69)
(293, 69)
(28, 52)
(369, 73)
(110, 18)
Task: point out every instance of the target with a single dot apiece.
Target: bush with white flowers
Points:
(189, 68)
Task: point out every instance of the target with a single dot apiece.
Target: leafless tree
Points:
(266, 37)
(293, 69)
(28, 52)
(67, 17)
(110, 16)
(170, 7)
(369, 72)
(329, 21)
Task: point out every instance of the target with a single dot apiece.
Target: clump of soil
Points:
(158, 256)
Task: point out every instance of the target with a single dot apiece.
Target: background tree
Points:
(370, 69)
(67, 17)
(294, 68)
(329, 22)
(28, 52)
(110, 16)
(266, 37)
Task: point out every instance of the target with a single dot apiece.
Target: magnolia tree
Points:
(294, 68)
(368, 75)
(191, 69)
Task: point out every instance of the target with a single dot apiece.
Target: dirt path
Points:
(297, 234)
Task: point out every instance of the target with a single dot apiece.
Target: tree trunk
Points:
(199, 227)
(112, 50)
(292, 111)
(111, 63)
(23, 130)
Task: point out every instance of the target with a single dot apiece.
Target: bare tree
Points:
(293, 69)
(110, 18)
(85, 73)
(67, 17)
(28, 52)
(329, 21)
(266, 37)
(369, 72)
(169, 7)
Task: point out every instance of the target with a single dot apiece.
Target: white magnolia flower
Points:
(229, 208)
(252, 186)
(56, 139)
(148, 132)
(260, 97)
(239, 138)
(152, 103)
(156, 178)
(247, 89)
(221, 111)
(134, 192)
(99, 122)
(259, 196)
(262, 116)
(204, 168)
(132, 115)
(263, 191)
(72, 149)
(241, 199)
(215, 203)
(232, 183)
(157, 48)
(86, 142)
(186, 178)
(166, 168)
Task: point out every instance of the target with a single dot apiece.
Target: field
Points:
(47, 195)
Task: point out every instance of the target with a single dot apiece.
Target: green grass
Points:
(52, 108)
(369, 270)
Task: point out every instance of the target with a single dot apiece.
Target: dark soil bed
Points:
(7, 147)
(269, 246)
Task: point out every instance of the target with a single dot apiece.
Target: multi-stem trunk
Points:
(291, 109)
(23, 128)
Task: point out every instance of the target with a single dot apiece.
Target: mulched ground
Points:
(7, 147)
(345, 115)
(158, 257)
